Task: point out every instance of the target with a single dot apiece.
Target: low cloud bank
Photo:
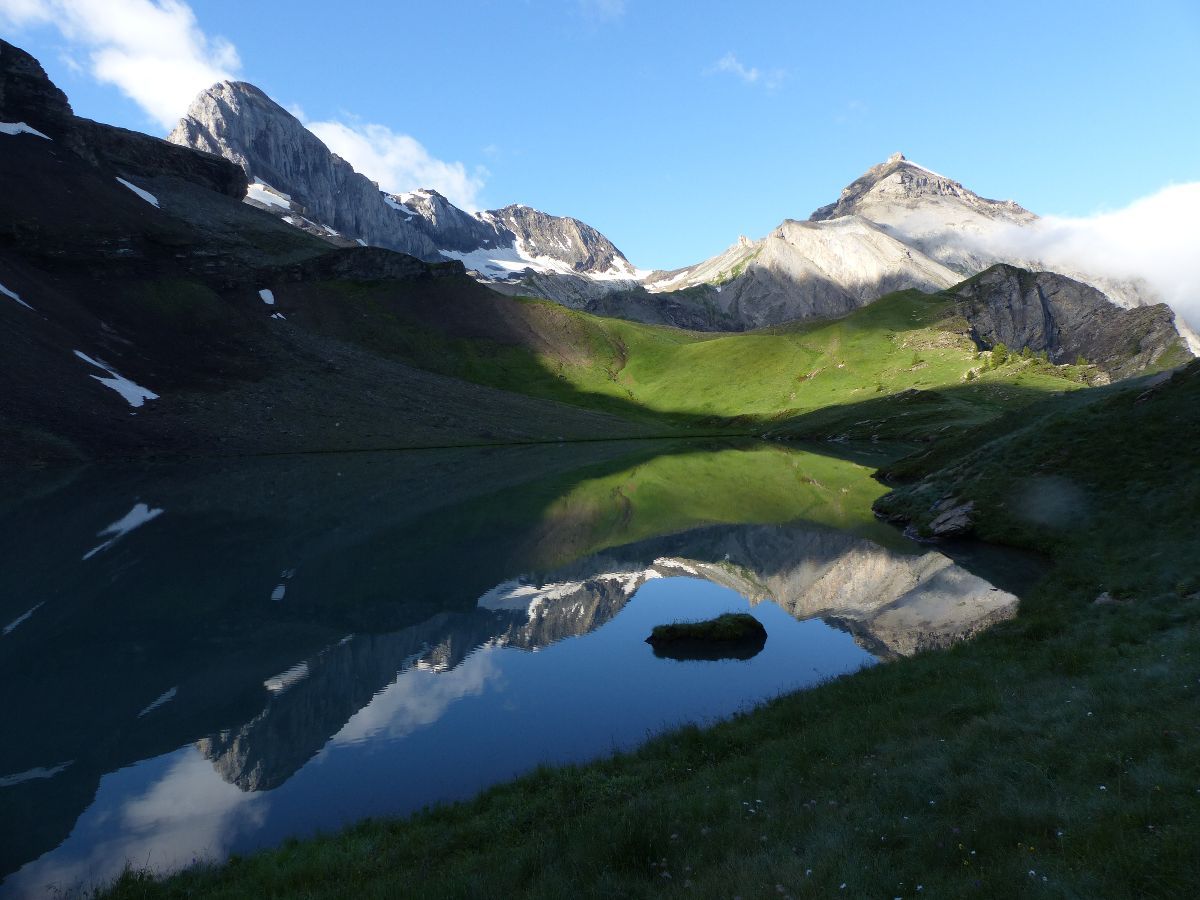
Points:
(1153, 240)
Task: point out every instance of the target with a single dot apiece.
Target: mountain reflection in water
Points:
(204, 659)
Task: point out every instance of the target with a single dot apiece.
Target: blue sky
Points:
(673, 127)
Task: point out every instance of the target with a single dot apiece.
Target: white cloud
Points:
(605, 10)
(419, 697)
(156, 53)
(187, 810)
(399, 162)
(152, 50)
(729, 64)
(1152, 239)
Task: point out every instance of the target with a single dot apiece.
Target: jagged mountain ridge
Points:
(299, 178)
(897, 226)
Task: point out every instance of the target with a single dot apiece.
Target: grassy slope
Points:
(1053, 756)
(744, 381)
(1106, 480)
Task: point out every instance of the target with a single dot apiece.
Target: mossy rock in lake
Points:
(728, 636)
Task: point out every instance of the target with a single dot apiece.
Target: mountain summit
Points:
(898, 183)
(292, 170)
(297, 177)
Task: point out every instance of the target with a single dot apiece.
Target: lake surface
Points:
(205, 659)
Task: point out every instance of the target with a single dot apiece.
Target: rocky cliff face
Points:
(236, 120)
(27, 94)
(313, 188)
(955, 226)
(850, 252)
(806, 270)
(447, 226)
(1067, 319)
(580, 246)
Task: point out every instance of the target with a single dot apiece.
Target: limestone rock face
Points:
(1067, 319)
(447, 226)
(238, 121)
(898, 184)
(575, 243)
(807, 270)
(309, 186)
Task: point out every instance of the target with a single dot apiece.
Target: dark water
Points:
(203, 659)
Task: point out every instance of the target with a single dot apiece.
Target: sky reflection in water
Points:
(439, 631)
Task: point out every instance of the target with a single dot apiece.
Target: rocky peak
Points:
(28, 95)
(899, 182)
(240, 122)
(575, 243)
(448, 226)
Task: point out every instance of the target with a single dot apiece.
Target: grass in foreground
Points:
(1053, 756)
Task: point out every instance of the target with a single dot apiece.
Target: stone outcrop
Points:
(27, 95)
(580, 246)
(1065, 318)
(238, 121)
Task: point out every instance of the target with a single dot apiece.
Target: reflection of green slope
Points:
(761, 484)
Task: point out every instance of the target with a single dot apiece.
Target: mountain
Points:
(1067, 319)
(957, 227)
(297, 177)
(148, 309)
(923, 208)
(807, 270)
(239, 122)
(899, 225)
(145, 309)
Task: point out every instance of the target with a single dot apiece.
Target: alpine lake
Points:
(204, 658)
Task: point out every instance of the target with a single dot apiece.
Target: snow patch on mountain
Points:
(13, 295)
(262, 192)
(145, 195)
(133, 394)
(15, 128)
